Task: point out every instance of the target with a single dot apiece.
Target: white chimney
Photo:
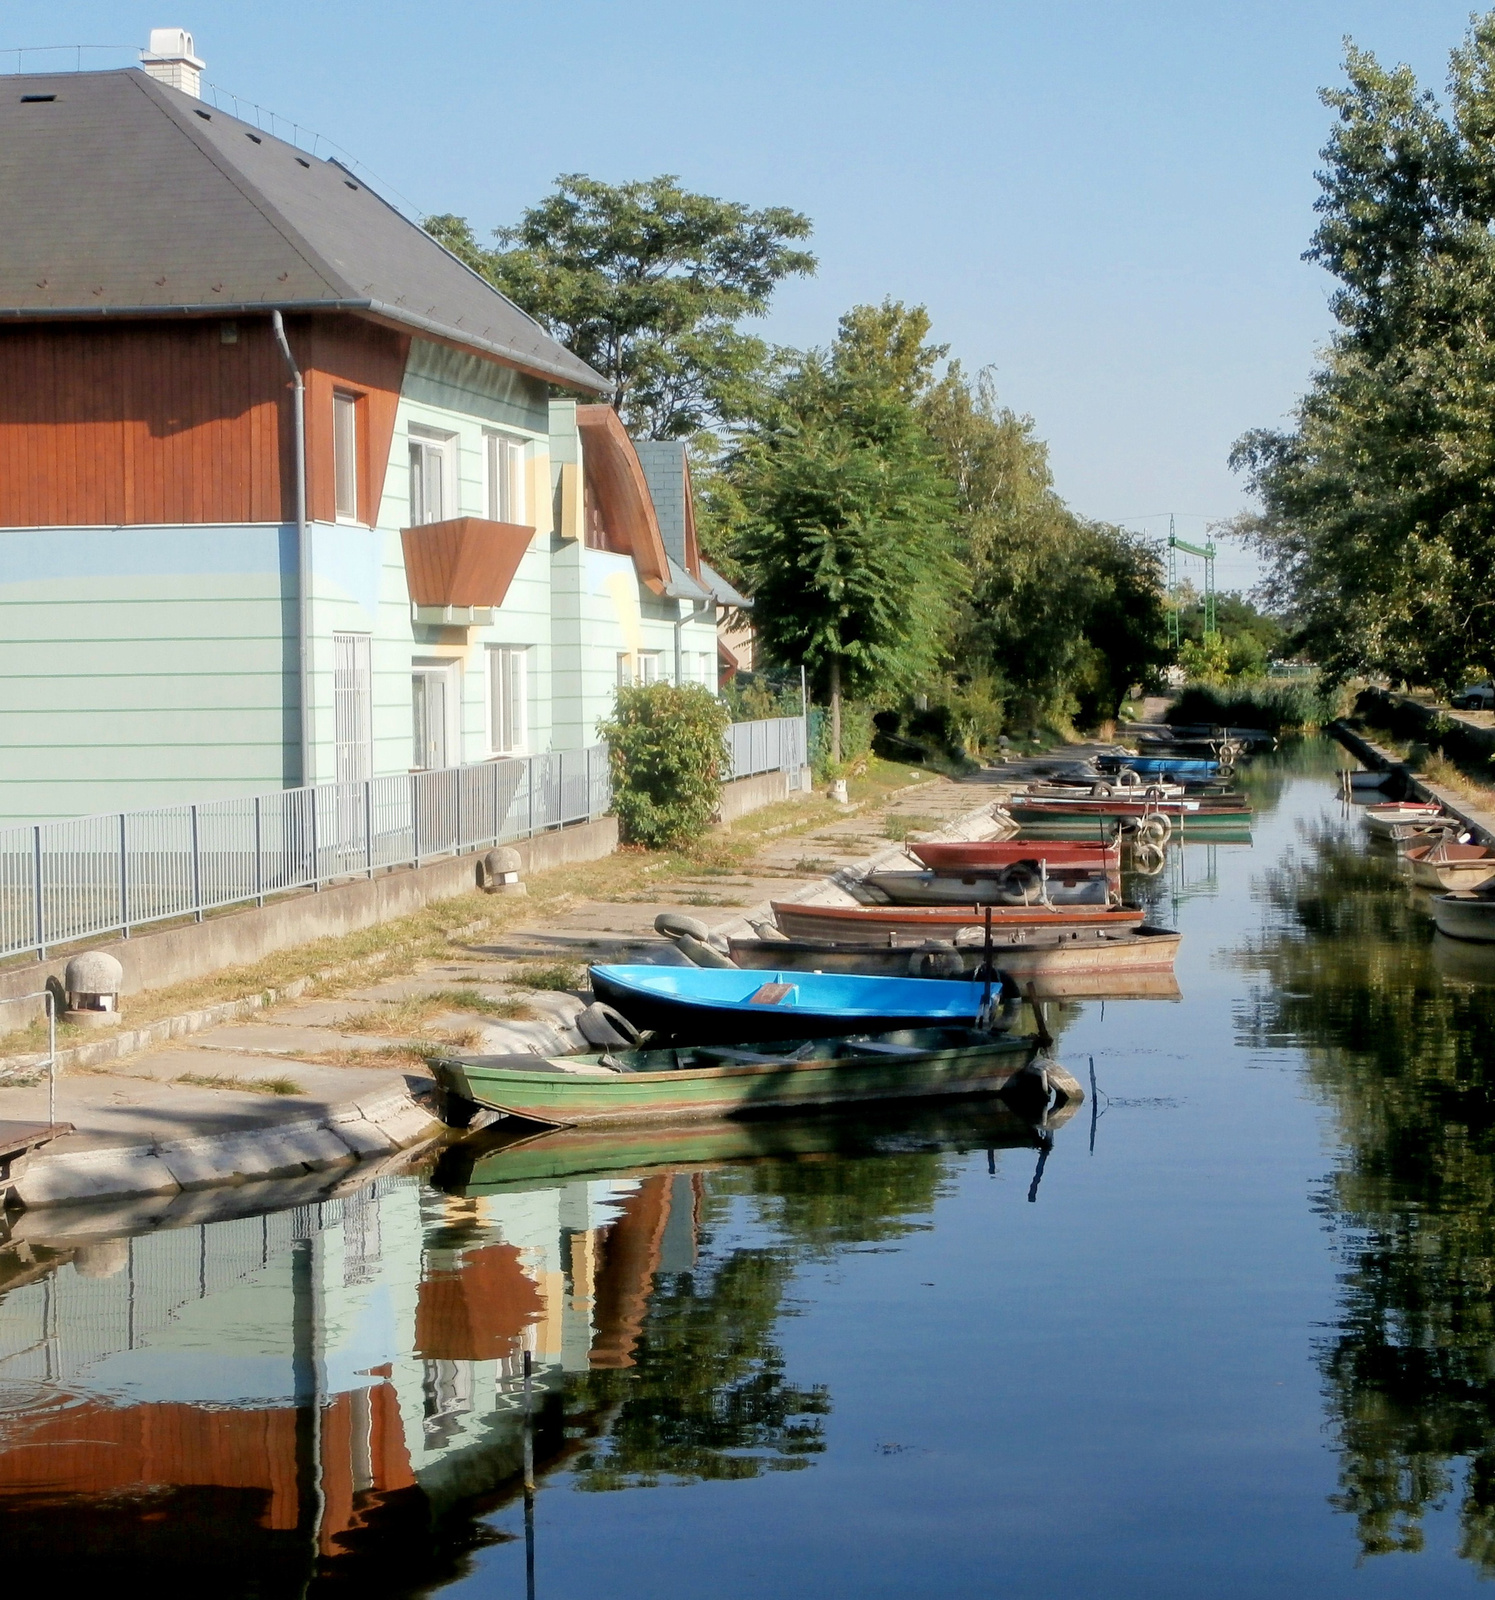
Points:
(168, 58)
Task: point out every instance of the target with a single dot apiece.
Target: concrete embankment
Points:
(1480, 820)
(294, 1088)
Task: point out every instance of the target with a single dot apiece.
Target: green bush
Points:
(856, 738)
(667, 749)
(1271, 703)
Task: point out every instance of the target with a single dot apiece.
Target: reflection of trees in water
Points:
(706, 1396)
(1402, 1055)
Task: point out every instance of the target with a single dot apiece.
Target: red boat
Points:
(1063, 857)
(874, 924)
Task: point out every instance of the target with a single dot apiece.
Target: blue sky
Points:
(1105, 202)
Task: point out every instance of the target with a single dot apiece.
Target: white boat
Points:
(1364, 782)
(1466, 916)
(1381, 820)
(1448, 866)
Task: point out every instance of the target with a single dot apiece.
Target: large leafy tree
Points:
(1378, 505)
(648, 283)
(843, 513)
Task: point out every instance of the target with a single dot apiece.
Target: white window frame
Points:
(650, 666)
(625, 669)
(505, 460)
(508, 699)
(433, 445)
(345, 473)
(352, 707)
(447, 671)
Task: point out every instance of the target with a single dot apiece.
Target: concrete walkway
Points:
(315, 1086)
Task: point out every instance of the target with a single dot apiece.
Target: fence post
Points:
(316, 846)
(588, 754)
(196, 869)
(259, 857)
(124, 878)
(368, 825)
(498, 821)
(530, 766)
(460, 840)
(37, 896)
(415, 815)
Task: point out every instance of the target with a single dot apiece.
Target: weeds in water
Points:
(219, 1080)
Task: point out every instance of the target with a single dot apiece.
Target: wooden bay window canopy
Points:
(463, 565)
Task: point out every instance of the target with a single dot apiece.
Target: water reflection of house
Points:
(254, 1391)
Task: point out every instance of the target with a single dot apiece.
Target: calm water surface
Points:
(1244, 1345)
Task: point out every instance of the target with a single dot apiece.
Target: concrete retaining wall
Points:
(752, 794)
(240, 938)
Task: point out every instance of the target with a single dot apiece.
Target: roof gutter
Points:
(303, 553)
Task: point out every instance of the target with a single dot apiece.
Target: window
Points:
(703, 662)
(345, 454)
(640, 668)
(433, 476)
(508, 727)
(352, 707)
(434, 706)
(506, 478)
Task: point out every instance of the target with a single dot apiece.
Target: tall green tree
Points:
(1378, 504)
(843, 513)
(648, 283)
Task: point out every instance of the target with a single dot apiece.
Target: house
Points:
(288, 494)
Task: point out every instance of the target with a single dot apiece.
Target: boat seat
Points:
(744, 1058)
(874, 1047)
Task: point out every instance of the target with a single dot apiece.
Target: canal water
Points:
(1236, 1337)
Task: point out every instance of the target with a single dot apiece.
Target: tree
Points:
(843, 512)
(1378, 505)
(647, 283)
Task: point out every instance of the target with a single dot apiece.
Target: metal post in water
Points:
(1094, 1105)
(529, 1478)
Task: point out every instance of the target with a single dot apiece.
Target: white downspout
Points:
(303, 552)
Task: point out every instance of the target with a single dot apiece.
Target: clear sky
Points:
(1106, 202)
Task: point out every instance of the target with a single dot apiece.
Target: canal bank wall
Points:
(1479, 820)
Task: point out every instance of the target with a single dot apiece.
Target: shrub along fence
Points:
(88, 876)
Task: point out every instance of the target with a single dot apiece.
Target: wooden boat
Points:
(1466, 916)
(713, 1081)
(1365, 782)
(1108, 955)
(1013, 887)
(1448, 865)
(1060, 857)
(1149, 766)
(1383, 819)
(873, 924)
(1191, 817)
(516, 1155)
(721, 1003)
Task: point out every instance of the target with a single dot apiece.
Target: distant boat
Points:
(878, 924)
(1052, 958)
(1382, 820)
(1364, 782)
(706, 1081)
(1448, 866)
(1013, 887)
(1061, 857)
(712, 1004)
(1466, 916)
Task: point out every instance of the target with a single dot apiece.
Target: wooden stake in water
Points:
(529, 1478)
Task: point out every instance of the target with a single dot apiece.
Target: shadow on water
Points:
(1397, 1025)
(333, 1397)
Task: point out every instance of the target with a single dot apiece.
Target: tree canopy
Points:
(647, 283)
(1378, 504)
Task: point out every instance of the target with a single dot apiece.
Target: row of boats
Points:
(1442, 857)
(913, 987)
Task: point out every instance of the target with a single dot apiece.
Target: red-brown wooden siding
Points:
(161, 422)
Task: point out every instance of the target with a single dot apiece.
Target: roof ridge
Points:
(243, 184)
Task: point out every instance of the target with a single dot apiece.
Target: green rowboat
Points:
(712, 1081)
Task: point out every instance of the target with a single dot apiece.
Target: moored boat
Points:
(1447, 865)
(874, 924)
(1012, 887)
(1382, 820)
(1466, 916)
(1149, 766)
(1059, 856)
(728, 1081)
(711, 1004)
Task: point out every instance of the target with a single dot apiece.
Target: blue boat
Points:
(1160, 766)
(712, 1005)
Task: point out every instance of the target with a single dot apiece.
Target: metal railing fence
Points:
(75, 879)
(86, 876)
(772, 745)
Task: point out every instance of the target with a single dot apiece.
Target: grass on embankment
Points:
(387, 949)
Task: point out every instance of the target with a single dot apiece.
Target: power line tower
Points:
(1207, 552)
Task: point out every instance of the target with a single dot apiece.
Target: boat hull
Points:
(1383, 821)
(946, 889)
(1470, 917)
(1450, 867)
(933, 1063)
(1072, 818)
(714, 1003)
(1063, 857)
(874, 924)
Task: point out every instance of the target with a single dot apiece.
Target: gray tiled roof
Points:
(122, 197)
